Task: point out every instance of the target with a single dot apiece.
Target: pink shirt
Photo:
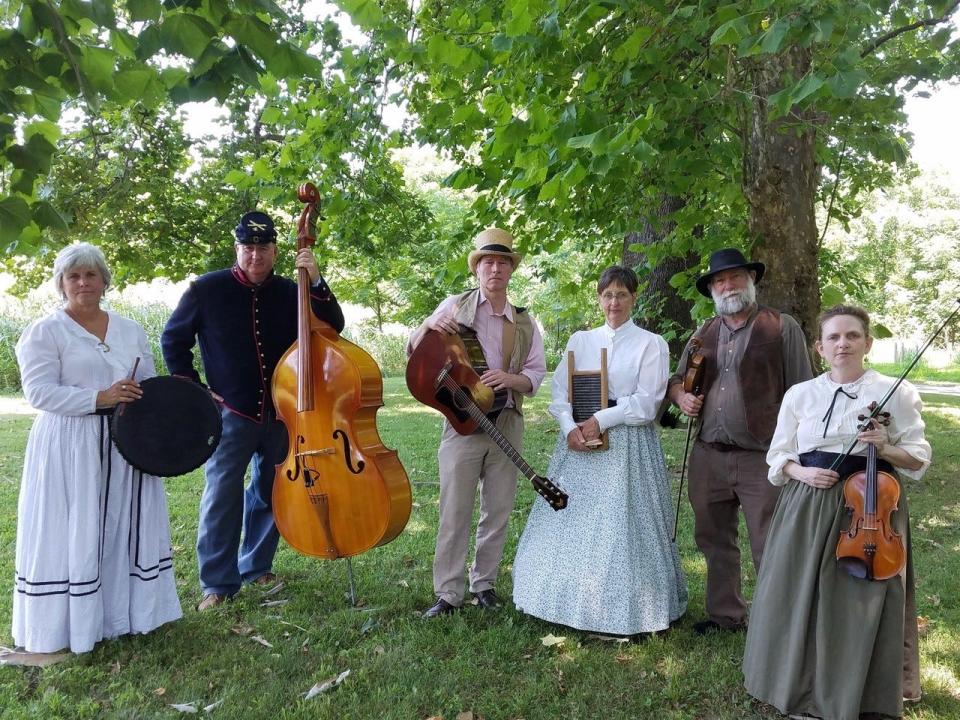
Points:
(489, 328)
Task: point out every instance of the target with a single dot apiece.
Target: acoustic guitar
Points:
(441, 376)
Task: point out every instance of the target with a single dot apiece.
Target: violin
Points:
(870, 549)
(339, 492)
(696, 368)
(693, 379)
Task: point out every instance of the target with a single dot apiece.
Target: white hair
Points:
(736, 301)
(79, 255)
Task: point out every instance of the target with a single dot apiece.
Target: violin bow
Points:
(695, 345)
(874, 412)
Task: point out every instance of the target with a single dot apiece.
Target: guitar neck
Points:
(466, 402)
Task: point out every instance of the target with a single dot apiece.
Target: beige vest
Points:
(465, 312)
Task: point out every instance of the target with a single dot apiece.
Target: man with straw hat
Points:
(513, 348)
(753, 354)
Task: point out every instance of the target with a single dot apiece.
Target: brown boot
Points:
(211, 600)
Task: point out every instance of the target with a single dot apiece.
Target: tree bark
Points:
(780, 179)
(663, 309)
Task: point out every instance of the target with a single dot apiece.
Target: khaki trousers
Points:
(720, 484)
(465, 462)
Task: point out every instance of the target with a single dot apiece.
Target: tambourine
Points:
(173, 429)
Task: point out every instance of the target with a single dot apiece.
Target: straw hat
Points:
(492, 241)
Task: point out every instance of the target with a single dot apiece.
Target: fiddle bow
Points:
(692, 383)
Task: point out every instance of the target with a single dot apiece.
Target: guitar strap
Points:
(507, 339)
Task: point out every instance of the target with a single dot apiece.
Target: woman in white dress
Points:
(93, 557)
(821, 642)
(606, 563)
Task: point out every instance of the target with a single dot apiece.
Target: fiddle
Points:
(872, 554)
(870, 549)
(339, 491)
(693, 378)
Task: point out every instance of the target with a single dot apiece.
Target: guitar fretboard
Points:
(464, 401)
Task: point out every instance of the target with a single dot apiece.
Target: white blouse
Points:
(63, 367)
(638, 365)
(801, 425)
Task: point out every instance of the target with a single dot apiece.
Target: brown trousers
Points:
(465, 462)
(720, 484)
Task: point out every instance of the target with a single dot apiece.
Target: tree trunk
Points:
(780, 179)
(663, 310)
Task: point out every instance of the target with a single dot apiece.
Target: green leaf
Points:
(45, 215)
(14, 217)
(35, 156)
(253, 33)
(520, 20)
(124, 43)
(444, 51)
(845, 84)
(550, 189)
(831, 295)
(186, 34)
(49, 130)
(880, 331)
(365, 13)
(134, 83)
(501, 43)
(630, 48)
(143, 10)
(730, 32)
(574, 174)
(773, 37)
(97, 65)
(270, 115)
(237, 178)
(262, 170)
(808, 85)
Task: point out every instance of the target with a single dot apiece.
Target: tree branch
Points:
(928, 22)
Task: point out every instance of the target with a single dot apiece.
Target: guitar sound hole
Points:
(446, 397)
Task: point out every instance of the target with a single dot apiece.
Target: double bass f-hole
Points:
(347, 455)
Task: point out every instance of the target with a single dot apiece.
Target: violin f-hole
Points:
(347, 455)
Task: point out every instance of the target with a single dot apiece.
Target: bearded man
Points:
(752, 354)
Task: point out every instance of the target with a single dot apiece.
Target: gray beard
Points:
(736, 303)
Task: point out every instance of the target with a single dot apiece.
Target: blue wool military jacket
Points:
(243, 330)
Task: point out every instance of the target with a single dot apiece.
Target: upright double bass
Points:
(339, 491)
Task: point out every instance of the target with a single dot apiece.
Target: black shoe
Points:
(441, 608)
(708, 626)
(488, 600)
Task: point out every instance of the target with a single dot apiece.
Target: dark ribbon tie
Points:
(826, 418)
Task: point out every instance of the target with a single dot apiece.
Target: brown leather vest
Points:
(760, 374)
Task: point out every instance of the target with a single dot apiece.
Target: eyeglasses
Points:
(618, 296)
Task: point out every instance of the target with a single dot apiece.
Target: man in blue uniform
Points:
(245, 319)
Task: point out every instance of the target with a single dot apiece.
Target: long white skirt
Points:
(94, 558)
(605, 563)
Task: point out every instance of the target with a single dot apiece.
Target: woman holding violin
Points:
(826, 640)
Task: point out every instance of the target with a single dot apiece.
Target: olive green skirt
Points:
(821, 642)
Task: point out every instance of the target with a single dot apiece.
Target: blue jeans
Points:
(226, 509)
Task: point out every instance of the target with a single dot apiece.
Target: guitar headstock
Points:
(555, 497)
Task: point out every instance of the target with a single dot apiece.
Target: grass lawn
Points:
(921, 373)
(258, 660)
